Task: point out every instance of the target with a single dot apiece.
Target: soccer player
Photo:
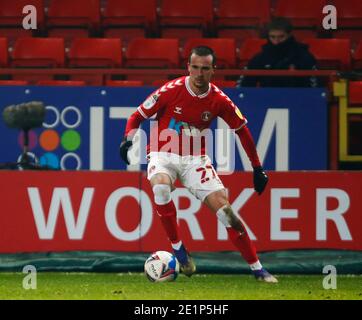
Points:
(185, 107)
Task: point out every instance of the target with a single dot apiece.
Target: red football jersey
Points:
(184, 117)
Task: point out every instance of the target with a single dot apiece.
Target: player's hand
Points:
(260, 179)
(123, 149)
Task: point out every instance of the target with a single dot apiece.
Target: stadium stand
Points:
(128, 20)
(331, 53)
(185, 19)
(3, 52)
(225, 50)
(11, 17)
(73, 19)
(238, 21)
(241, 19)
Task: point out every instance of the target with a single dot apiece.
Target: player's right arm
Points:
(146, 110)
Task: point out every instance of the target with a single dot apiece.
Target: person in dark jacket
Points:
(283, 52)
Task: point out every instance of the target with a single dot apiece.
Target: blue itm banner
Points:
(84, 127)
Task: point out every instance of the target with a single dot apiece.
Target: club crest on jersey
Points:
(150, 101)
(206, 116)
(178, 110)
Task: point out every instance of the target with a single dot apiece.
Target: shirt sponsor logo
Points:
(179, 126)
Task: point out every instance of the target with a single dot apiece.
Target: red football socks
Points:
(167, 214)
(243, 243)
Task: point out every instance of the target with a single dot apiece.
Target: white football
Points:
(162, 266)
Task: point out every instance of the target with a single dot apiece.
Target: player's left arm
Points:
(247, 141)
(235, 119)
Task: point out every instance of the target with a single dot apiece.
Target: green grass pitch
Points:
(135, 286)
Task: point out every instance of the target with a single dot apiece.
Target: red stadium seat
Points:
(11, 17)
(3, 52)
(185, 19)
(355, 93)
(71, 19)
(303, 13)
(153, 53)
(61, 83)
(124, 83)
(38, 52)
(357, 57)
(242, 13)
(249, 49)
(331, 53)
(129, 19)
(11, 12)
(241, 19)
(13, 83)
(225, 50)
(92, 52)
(349, 13)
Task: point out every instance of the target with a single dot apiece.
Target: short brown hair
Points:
(203, 51)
